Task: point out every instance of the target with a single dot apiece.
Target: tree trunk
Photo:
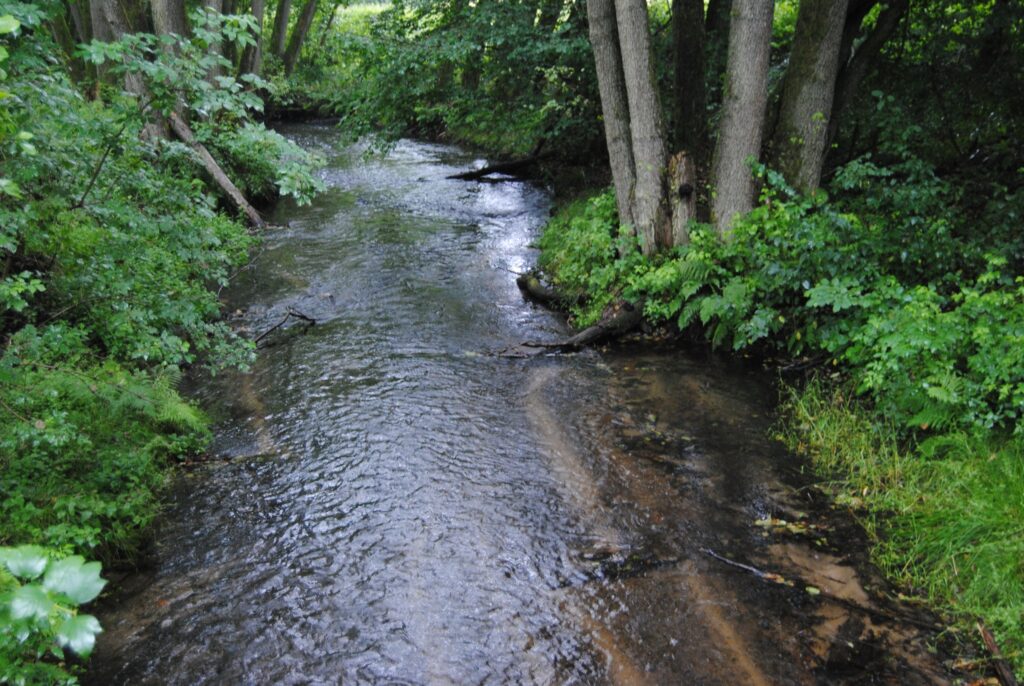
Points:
(182, 130)
(854, 68)
(216, 48)
(801, 137)
(690, 99)
(326, 30)
(716, 38)
(683, 196)
(291, 54)
(743, 110)
(169, 17)
(280, 34)
(647, 132)
(109, 23)
(252, 56)
(604, 40)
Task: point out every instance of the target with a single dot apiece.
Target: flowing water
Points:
(399, 505)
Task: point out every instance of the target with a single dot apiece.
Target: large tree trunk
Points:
(299, 33)
(647, 132)
(604, 39)
(280, 34)
(169, 17)
(690, 99)
(743, 109)
(252, 56)
(801, 136)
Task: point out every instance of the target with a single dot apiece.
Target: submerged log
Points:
(183, 132)
(617, 322)
(536, 290)
(512, 167)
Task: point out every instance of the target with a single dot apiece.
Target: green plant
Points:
(39, 614)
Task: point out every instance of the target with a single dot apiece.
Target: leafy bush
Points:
(39, 616)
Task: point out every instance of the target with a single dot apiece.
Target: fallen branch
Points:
(511, 167)
(535, 289)
(182, 131)
(1003, 670)
(624, 320)
(857, 607)
(291, 313)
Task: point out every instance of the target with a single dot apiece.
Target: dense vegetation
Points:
(113, 244)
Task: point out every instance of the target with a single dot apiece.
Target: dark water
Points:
(404, 507)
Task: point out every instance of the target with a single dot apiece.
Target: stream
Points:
(394, 503)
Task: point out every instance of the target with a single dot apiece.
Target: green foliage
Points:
(498, 74)
(184, 74)
(946, 514)
(84, 444)
(39, 616)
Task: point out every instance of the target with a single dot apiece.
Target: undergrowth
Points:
(894, 288)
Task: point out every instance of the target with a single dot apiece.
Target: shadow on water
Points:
(402, 507)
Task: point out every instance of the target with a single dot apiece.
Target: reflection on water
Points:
(407, 508)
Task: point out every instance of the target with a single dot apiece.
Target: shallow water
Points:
(403, 506)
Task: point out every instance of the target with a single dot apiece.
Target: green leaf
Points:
(74, 577)
(31, 602)
(79, 633)
(8, 24)
(25, 561)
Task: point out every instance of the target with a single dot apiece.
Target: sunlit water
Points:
(404, 506)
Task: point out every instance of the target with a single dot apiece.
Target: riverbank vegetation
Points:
(115, 239)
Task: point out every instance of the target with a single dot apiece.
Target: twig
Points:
(1003, 670)
(857, 607)
(291, 313)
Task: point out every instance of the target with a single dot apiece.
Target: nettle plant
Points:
(39, 614)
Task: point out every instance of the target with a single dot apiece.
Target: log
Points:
(618, 323)
(512, 167)
(183, 132)
(535, 289)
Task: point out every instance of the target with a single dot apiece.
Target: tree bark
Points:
(682, 179)
(280, 34)
(299, 33)
(169, 17)
(252, 56)
(647, 131)
(604, 40)
(801, 137)
(743, 109)
(182, 131)
(690, 98)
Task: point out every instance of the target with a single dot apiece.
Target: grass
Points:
(946, 515)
